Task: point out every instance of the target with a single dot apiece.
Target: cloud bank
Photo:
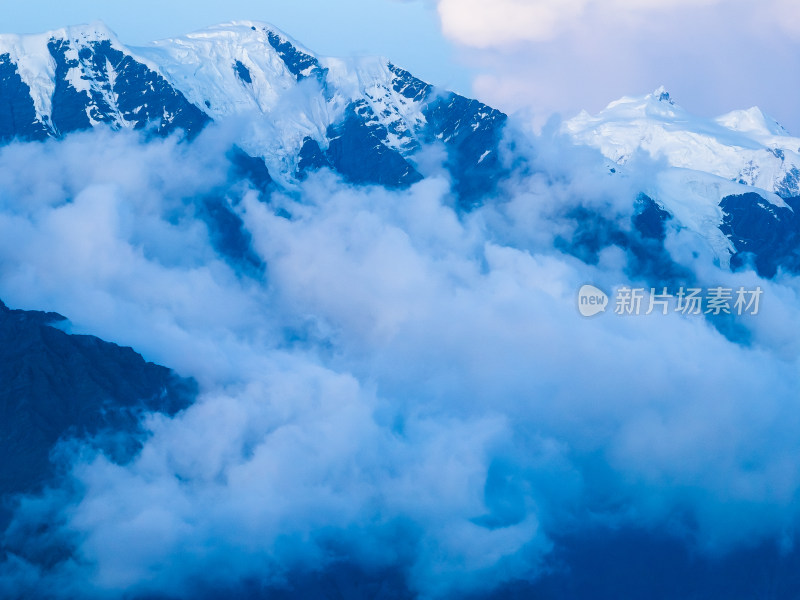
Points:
(485, 24)
(403, 388)
(549, 56)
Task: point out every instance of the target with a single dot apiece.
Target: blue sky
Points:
(408, 32)
(536, 56)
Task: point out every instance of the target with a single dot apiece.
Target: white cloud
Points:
(482, 24)
(406, 386)
(486, 23)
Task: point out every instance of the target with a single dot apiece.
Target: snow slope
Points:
(367, 119)
(363, 117)
(743, 162)
(743, 146)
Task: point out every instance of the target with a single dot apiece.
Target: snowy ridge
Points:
(362, 117)
(232, 69)
(201, 65)
(79, 77)
(754, 122)
(37, 67)
(293, 112)
(693, 198)
(743, 146)
(235, 69)
(372, 79)
(733, 180)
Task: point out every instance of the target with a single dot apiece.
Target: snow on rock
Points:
(743, 146)
(293, 109)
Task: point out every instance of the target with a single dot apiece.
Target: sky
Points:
(408, 32)
(536, 56)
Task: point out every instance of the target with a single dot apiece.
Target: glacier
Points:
(704, 165)
(365, 118)
(369, 121)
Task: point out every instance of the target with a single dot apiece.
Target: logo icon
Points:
(592, 301)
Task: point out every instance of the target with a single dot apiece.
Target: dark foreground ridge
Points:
(55, 386)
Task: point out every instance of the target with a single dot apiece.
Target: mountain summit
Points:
(365, 118)
(744, 146)
(732, 180)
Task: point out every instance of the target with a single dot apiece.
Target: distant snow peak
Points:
(753, 121)
(744, 147)
(662, 95)
(743, 153)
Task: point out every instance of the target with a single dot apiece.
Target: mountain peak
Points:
(86, 32)
(662, 95)
(240, 32)
(240, 27)
(752, 121)
(741, 148)
(656, 105)
(363, 118)
(94, 30)
(31, 46)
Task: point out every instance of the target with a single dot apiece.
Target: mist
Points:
(402, 386)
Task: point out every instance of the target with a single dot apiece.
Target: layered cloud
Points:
(404, 388)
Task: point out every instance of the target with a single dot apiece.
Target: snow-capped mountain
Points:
(744, 146)
(365, 118)
(75, 78)
(733, 180)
